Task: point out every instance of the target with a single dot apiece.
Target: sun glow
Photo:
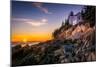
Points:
(24, 40)
(36, 37)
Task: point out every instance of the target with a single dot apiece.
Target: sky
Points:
(35, 21)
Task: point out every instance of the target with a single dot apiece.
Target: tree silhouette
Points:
(88, 14)
(66, 22)
(55, 33)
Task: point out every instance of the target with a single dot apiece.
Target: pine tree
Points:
(88, 14)
(55, 33)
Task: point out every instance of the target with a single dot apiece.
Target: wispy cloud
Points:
(31, 22)
(40, 6)
(37, 23)
(20, 19)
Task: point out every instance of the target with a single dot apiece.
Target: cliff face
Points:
(82, 36)
(77, 31)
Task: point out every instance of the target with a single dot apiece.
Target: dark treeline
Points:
(89, 14)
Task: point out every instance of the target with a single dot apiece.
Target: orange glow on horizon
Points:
(24, 40)
(36, 37)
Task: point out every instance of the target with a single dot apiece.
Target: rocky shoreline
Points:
(65, 50)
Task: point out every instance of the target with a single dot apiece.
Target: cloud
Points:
(20, 19)
(38, 23)
(44, 20)
(31, 22)
(40, 6)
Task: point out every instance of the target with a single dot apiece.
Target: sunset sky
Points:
(33, 21)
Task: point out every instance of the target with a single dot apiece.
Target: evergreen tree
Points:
(55, 33)
(88, 14)
(63, 23)
(66, 22)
